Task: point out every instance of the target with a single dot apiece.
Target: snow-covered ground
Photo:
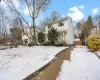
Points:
(83, 65)
(18, 63)
(4, 47)
(98, 53)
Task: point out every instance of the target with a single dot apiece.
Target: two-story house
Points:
(64, 27)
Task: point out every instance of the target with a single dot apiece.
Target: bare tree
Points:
(4, 21)
(55, 15)
(97, 23)
(34, 7)
(85, 28)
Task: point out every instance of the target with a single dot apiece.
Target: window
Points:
(49, 26)
(60, 24)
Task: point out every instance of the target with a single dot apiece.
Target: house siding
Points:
(67, 29)
(70, 32)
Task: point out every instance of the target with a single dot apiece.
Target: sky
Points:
(77, 9)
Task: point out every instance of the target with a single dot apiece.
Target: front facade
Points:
(64, 28)
(27, 36)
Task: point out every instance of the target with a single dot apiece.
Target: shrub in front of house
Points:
(30, 44)
(52, 35)
(93, 42)
(59, 43)
(41, 37)
(46, 43)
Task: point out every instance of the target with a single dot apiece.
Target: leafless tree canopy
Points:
(55, 15)
(34, 7)
(4, 24)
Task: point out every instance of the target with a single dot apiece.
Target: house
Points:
(27, 35)
(64, 27)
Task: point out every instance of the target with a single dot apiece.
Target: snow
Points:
(4, 47)
(98, 53)
(18, 63)
(83, 65)
(76, 39)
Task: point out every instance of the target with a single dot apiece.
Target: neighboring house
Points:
(26, 35)
(64, 27)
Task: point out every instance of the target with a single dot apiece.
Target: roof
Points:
(59, 20)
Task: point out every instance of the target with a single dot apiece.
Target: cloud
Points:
(95, 10)
(75, 13)
(81, 7)
(26, 11)
(73, 9)
(16, 3)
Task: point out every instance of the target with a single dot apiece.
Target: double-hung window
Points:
(60, 24)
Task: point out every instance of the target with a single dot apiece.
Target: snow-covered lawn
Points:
(84, 65)
(4, 47)
(18, 63)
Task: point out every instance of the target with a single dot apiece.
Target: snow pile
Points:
(84, 65)
(18, 63)
(4, 47)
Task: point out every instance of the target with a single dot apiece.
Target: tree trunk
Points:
(34, 36)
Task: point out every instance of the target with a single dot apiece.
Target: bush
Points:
(52, 35)
(30, 44)
(41, 37)
(93, 42)
(46, 43)
(59, 43)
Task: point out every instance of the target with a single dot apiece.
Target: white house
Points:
(27, 35)
(64, 27)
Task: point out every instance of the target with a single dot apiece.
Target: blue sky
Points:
(77, 9)
(63, 6)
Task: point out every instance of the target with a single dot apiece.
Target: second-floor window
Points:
(60, 24)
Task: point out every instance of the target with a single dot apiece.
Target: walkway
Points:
(51, 71)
